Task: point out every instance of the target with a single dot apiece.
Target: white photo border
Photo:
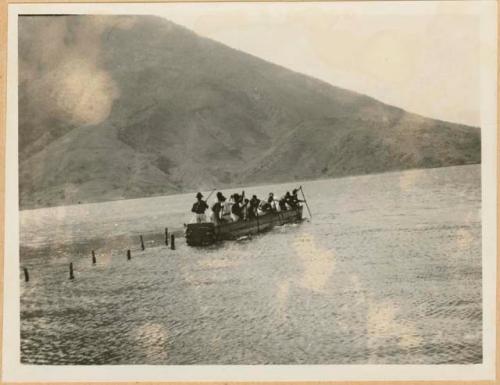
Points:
(14, 371)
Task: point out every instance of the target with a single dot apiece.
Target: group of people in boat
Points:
(238, 207)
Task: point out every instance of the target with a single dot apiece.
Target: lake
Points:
(387, 271)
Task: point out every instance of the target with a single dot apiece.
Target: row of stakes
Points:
(94, 260)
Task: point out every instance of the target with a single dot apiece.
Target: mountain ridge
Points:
(188, 113)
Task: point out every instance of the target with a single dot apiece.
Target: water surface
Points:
(388, 271)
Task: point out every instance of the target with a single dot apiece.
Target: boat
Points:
(205, 234)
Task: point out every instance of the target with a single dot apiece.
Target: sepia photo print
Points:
(252, 184)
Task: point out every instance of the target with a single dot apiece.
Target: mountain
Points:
(114, 107)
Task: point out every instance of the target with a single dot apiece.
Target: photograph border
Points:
(219, 374)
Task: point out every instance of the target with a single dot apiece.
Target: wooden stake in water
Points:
(172, 242)
(129, 256)
(142, 243)
(71, 276)
(93, 258)
(166, 236)
(26, 275)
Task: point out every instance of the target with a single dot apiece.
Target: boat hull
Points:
(204, 234)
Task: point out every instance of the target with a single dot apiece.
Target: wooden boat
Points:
(204, 234)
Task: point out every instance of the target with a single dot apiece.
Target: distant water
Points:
(388, 271)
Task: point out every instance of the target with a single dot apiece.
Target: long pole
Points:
(209, 195)
(305, 201)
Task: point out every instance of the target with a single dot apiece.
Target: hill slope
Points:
(121, 107)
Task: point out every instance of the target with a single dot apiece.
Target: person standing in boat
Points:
(199, 208)
(289, 200)
(232, 201)
(217, 208)
(265, 206)
(272, 202)
(225, 214)
(294, 201)
(237, 209)
(253, 206)
(284, 202)
(245, 208)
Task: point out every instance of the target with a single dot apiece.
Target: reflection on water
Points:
(388, 271)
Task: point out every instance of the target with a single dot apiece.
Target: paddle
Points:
(305, 201)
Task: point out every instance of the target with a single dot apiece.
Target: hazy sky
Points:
(423, 57)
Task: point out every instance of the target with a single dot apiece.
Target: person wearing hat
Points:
(289, 201)
(281, 204)
(238, 208)
(272, 202)
(294, 201)
(245, 208)
(253, 206)
(217, 208)
(225, 214)
(199, 208)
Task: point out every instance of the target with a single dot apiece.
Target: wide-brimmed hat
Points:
(220, 196)
(295, 190)
(199, 195)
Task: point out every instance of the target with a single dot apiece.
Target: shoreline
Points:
(239, 187)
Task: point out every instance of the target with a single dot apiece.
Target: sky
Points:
(423, 57)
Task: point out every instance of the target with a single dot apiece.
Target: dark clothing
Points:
(199, 207)
(265, 207)
(271, 202)
(216, 208)
(254, 202)
(236, 209)
(252, 209)
(252, 213)
(294, 201)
